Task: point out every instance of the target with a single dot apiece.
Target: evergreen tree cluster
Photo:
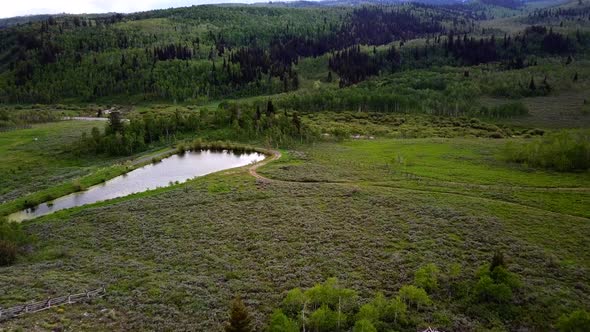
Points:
(172, 51)
(549, 15)
(353, 65)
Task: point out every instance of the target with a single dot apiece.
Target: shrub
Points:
(563, 151)
(180, 149)
(496, 285)
(78, 186)
(487, 290)
(13, 232)
(8, 253)
(577, 321)
(427, 277)
(496, 134)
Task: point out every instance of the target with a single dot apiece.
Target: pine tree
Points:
(497, 260)
(239, 318)
(297, 122)
(295, 81)
(270, 109)
(532, 84)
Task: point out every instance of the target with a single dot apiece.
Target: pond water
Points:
(180, 167)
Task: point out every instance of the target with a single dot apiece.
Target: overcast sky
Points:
(10, 8)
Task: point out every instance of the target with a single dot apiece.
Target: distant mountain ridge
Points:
(12, 21)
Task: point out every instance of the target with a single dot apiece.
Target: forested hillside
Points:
(210, 52)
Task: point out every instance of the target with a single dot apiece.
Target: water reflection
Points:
(177, 168)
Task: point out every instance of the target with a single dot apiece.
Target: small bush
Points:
(13, 232)
(78, 186)
(12, 236)
(496, 135)
(427, 277)
(8, 253)
(180, 149)
(577, 321)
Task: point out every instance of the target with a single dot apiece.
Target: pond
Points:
(177, 168)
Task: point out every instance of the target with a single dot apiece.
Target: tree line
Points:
(265, 125)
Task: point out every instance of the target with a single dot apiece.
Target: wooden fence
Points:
(32, 307)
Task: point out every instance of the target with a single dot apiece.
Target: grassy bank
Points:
(40, 166)
(103, 174)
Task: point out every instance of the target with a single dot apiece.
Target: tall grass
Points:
(562, 151)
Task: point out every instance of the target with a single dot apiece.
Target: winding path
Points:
(274, 155)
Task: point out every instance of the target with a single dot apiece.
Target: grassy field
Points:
(369, 212)
(468, 167)
(566, 110)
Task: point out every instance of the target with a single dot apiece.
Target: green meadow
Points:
(369, 212)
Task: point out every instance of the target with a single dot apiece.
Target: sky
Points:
(10, 8)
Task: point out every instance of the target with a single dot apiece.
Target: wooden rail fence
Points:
(32, 307)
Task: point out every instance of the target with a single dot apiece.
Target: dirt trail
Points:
(252, 170)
